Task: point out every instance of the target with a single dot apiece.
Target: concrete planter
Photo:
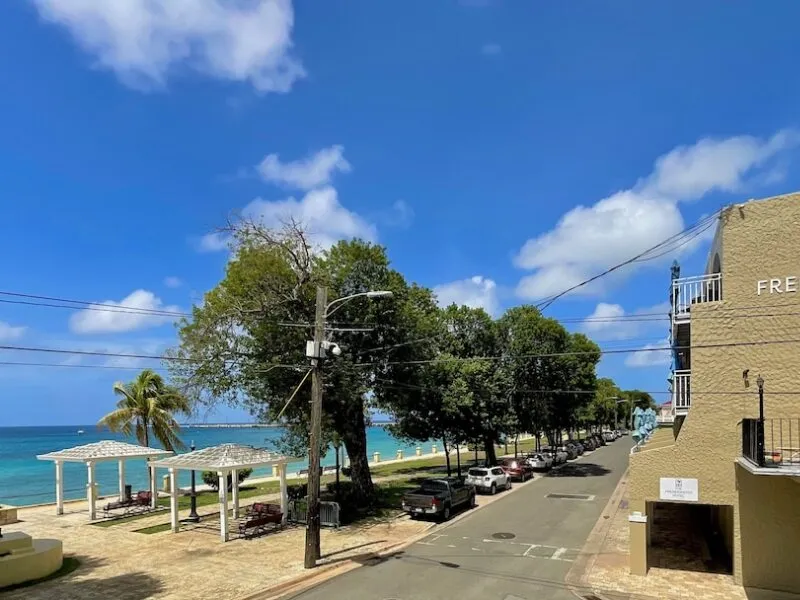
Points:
(8, 514)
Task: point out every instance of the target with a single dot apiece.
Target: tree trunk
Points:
(446, 456)
(458, 459)
(355, 442)
(491, 455)
(516, 445)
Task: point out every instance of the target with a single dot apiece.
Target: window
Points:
(497, 471)
(478, 472)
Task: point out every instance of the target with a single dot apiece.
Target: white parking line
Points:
(558, 554)
(532, 546)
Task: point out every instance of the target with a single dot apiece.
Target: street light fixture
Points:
(760, 432)
(193, 516)
(315, 351)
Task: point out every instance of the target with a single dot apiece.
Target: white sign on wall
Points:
(685, 490)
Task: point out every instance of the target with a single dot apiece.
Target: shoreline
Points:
(183, 490)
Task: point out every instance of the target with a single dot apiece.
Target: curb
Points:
(575, 579)
(307, 581)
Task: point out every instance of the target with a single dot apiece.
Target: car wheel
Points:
(446, 513)
(493, 489)
(508, 484)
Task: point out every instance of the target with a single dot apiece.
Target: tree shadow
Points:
(582, 469)
(74, 586)
(343, 550)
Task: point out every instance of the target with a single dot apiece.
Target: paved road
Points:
(517, 548)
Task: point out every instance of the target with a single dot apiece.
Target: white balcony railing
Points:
(681, 392)
(694, 290)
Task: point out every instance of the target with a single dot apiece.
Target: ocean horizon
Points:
(26, 480)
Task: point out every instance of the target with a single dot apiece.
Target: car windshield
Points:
(434, 486)
(478, 472)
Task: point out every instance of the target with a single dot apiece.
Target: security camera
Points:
(333, 347)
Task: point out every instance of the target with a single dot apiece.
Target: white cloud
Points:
(142, 41)
(589, 239)
(305, 174)
(320, 213)
(612, 322)
(130, 314)
(475, 292)
(400, 215)
(173, 282)
(651, 355)
(10, 332)
(491, 49)
(213, 242)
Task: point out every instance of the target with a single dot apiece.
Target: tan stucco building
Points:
(733, 328)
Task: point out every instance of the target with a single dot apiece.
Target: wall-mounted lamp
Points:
(745, 373)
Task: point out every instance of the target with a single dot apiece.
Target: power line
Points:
(586, 352)
(693, 231)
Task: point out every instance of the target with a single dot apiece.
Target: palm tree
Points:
(148, 405)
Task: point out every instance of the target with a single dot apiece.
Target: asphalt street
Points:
(517, 548)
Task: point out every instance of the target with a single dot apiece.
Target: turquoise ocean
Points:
(25, 480)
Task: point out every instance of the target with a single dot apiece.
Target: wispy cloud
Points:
(491, 49)
(143, 41)
(589, 239)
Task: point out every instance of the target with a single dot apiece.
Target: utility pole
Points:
(312, 512)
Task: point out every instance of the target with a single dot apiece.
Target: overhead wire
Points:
(641, 257)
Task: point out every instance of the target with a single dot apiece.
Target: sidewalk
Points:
(602, 568)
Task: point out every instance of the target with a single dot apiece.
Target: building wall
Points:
(760, 240)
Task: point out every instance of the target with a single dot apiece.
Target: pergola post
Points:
(91, 492)
(223, 505)
(59, 487)
(173, 501)
(284, 494)
(153, 488)
(121, 471)
(235, 492)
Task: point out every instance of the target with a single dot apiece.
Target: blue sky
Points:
(501, 150)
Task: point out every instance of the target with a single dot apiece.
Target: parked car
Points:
(599, 439)
(438, 498)
(579, 446)
(516, 468)
(572, 451)
(588, 444)
(538, 461)
(609, 436)
(488, 479)
(558, 456)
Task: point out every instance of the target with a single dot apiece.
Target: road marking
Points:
(558, 554)
(425, 544)
(532, 546)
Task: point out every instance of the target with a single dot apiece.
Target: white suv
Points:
(488, 479)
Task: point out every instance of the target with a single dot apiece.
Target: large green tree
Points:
(245, 344)
(147, 407)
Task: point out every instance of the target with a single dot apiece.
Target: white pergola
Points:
(103, 451)
(224, 459)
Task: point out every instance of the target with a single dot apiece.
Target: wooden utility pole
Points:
(312, 512)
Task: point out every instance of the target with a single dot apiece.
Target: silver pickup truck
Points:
(439, 498)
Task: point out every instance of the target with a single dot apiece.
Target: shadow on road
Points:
(580, 470)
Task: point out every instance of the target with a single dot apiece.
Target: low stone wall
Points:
(8, 514)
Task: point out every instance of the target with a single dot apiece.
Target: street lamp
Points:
(760, 432)
(316, 352)
(193, 516)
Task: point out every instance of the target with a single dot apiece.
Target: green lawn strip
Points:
(67, 566)
(154, 529)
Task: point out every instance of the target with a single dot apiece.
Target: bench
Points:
(139, 501)
(256, 523)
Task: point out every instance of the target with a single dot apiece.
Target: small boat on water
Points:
(81, 432)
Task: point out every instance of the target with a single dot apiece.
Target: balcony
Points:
(689, 291)
(681, 391)
(771, 449)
